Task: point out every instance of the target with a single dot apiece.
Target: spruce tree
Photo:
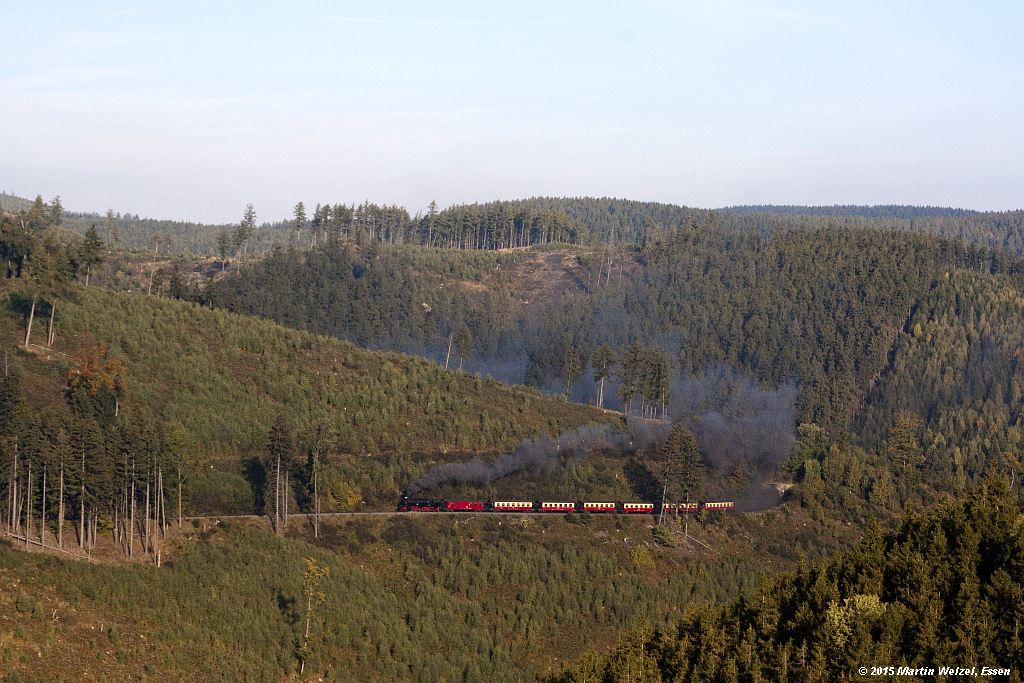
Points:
(603, 362)
(90, 253)
(281, 448)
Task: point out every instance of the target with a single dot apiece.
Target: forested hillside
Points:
(960, 368)
(873, 371)
(770, 325)
(997, 230)
(820, 308)
(219, 381)
(585, 221)
(945, 589)
(192, 393)
(430, 598)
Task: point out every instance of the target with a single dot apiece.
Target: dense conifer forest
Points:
(944, 588)
(585, 221)
(864, 361)
(848, 316)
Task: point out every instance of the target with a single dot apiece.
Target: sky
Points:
(191, 110)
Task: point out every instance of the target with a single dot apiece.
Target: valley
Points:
(286, 402)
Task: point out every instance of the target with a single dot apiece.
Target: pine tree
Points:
(246, 229)
(298, 222)
(904, 446)
(573, 367)
(56, 212)
(281, 447)
(463, 342)
(431, 220)
(37, 214)
(223, 247)
(313, 591)
(629, 374)
(113, 232)
(90, 253)
(43, 274)
(603, 363)
(680, 467)
(319, 440)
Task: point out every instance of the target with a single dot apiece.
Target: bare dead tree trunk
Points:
(81, 507)
(661, 517)
(28, 501)
(60, 514)
(287, 482)
(42, 512)
(316, 497)
(31, 317)
(277, 498)
(152, 268)
(10, 499)
(124, 507)
(158, 501)
(309, 614)
(131, 527)
(448, 355)
(163, 506)
(12, 527)
(146, 545)
(49, 331)
(686, 519)
(179, 497)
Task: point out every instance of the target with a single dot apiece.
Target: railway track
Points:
(392, 513)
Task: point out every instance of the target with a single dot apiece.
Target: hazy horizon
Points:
(191, 112)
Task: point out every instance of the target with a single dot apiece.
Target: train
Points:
(419, 504)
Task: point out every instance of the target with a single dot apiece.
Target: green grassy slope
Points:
(430, 598)
(222, 379)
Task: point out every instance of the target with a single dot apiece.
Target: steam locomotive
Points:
(417, 504)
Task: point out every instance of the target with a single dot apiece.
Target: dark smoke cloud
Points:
(758, 496)
(647, 434)
(736, 421)
(507, 366)
(534, 455)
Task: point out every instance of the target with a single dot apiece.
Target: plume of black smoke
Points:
(646, 434)
(505, 365)
(758, 496)
(737, 422)
(532, 455)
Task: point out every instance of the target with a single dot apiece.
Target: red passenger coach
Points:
(689, 507)
(719, 505)
(465, 506)
(598, 507)
(557, 507)
(638, 508)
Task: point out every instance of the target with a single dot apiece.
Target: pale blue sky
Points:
(190, 111)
